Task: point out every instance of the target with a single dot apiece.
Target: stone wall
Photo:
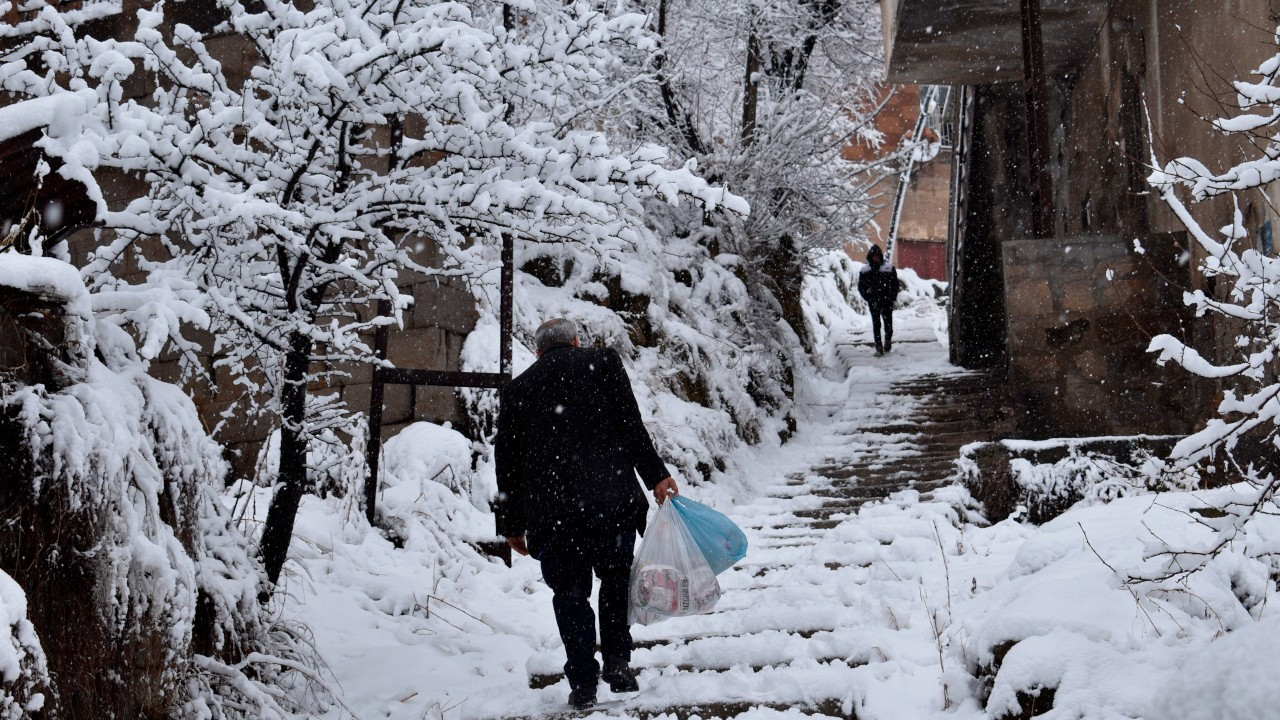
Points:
(1156, 70)
(1080, 313)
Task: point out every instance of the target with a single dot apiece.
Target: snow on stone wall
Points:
(138, 583)
(24, 677)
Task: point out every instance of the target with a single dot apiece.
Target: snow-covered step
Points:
(725, 651)
(816, 687)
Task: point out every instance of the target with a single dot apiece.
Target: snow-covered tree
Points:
(766, 96)
(1247, 301)
(283, 203)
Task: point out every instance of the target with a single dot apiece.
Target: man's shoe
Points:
(583, 698)
(621, 680)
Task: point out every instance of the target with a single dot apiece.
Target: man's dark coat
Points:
(570, 442)
(878, 284)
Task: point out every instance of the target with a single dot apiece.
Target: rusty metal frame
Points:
(1035, 99)
(383, 376)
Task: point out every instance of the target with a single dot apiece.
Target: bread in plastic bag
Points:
(670, 576)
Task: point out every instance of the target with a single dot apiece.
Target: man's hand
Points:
(518, 544)
(664, 489)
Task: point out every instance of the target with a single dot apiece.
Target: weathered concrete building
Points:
(1068, 312)
(920, 195)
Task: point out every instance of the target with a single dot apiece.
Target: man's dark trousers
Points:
(882, 314)
(567, 565)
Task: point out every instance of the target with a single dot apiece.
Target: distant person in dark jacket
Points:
(570, 444)
(878, 285)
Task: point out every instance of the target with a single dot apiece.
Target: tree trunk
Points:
(785, 270)
(751, 86)
(292, 481)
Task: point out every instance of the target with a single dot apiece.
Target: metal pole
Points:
(904, 179)
(506, 309)
(1033, 89)
(373, 448)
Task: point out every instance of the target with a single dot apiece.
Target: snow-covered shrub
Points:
(1228, 679)
(679, 318)
(1042, 478)
(831, 296)
(424, 510)
(144, 595)
(24, 676)
(336, 462)
(1064, 621)
(919, 293)
(426, 493)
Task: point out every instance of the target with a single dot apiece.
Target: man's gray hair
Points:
(556, 332)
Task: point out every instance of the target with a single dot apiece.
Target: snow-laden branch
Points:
(1246, 298)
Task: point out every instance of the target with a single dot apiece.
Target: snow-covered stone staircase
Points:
(808, 616)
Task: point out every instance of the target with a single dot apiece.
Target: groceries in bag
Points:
(666, 590)
(721, 540)
(670, 576)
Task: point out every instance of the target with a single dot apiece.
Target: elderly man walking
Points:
(570, 444)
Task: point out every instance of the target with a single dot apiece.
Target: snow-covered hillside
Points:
(129, 590)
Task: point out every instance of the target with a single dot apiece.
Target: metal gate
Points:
(440, 378)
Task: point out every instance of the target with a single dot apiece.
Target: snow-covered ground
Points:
(896, 610)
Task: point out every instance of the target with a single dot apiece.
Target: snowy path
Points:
(803, 626)
(871, 589)
(830, 614)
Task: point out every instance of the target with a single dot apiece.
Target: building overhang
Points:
(976, 42)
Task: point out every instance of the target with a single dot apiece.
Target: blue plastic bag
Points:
(719, 539)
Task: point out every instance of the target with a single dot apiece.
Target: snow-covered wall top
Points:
(47, 278)
(57, 112)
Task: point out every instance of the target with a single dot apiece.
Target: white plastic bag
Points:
(670, 576)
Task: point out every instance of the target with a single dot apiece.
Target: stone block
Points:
(1034, 368)
(356, 397)
(444, 305)
(435, 404)
(421, 348)
(425, 252)
(377, 142)
(390, 431)
(397, 401)
(357, 373)
(1090, 364)
(238, 56)
(453, 350)
(1029, 299)
(1075, 254)
(1076, 297)
(244, 459)
(198, 389)
(1090, 405)
(1065, 337)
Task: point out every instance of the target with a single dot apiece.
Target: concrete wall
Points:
(1080, 312)
(924, 213)
(1172, 61)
